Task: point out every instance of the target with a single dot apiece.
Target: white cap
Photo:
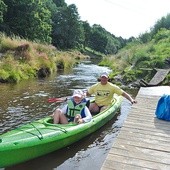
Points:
(104, 75)
(78, 93)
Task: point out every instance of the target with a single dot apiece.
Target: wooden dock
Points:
(144, 141)
(157, 79)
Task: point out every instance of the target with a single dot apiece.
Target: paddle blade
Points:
(51, 100)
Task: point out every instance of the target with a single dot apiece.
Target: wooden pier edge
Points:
(144, 140)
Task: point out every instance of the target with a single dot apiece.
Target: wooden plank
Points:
(116, 164)
(145, 143)
(126, 161)
(142, 153)
(159, 77)
(144, 134)
(144, 131)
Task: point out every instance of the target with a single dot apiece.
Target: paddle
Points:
(51, 100)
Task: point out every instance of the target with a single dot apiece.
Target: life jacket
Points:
(73, 109)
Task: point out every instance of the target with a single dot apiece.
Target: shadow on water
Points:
(27, 101)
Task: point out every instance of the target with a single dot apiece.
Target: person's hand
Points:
(80, 121)
(133, 101)
(52, 115)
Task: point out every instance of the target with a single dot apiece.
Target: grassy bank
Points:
(21, 59)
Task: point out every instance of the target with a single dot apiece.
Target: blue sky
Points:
(124, 18)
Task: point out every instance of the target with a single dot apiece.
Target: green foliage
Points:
(36, 23)
(105, 62)
(129, 75)
(164, 22)
(6, 71)
(4, 74)
(34, 57)
(28, 71)
(167, 80)
(136, 58)
(87, 33)
(68, 31)
(53, 21)
(98, 39)
(3, 9)
(146, 37)
(102, 41)
(60, 3)
(6, 43)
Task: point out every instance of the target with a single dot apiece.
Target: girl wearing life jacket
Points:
(75, 110)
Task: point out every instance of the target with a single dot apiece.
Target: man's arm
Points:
(127, 96)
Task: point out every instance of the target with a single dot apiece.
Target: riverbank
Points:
(21, 59)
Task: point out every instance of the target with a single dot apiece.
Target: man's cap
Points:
(104, 75)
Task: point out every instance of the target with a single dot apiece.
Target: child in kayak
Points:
(75, 110)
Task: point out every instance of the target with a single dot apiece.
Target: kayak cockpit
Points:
(49, 121)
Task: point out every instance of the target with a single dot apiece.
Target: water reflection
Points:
(27, 101)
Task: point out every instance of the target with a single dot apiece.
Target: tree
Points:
(98, 39)
(30, 19)
(146, 37)
(67, 29)
(60, 3)
(3, 9)
(164, 22)
(87, 33)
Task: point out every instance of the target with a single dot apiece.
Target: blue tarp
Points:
(163, 108)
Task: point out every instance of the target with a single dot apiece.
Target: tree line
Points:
(54, 22)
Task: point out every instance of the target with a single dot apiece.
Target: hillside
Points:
(138, 60)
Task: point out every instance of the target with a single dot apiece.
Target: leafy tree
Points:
(164, 22)
(162, 34)
(87, 33)
(122, 42)
(114, 43)
(103, 41)
(60, 3)
(146, 37)
(67, 29)
(3, 9)
(112, 46)
(98, 39)
(30, 19)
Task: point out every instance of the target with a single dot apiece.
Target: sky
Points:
(125, 18)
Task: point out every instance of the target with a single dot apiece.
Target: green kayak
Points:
(41, 137)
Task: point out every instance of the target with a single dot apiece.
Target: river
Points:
(27, 101)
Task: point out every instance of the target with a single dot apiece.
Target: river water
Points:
(27, 101)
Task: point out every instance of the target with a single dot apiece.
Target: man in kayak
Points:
(75, 110)
(104, 92)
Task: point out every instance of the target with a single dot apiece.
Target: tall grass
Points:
(21, 59)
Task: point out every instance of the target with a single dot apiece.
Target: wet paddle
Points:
(51, 100)
(64, 99)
